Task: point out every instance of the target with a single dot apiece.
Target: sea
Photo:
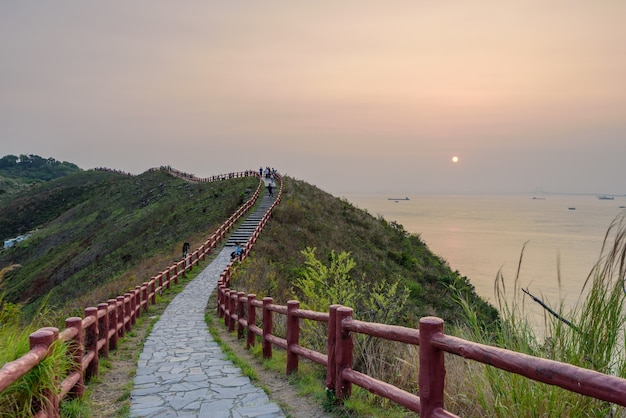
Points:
(480, 236)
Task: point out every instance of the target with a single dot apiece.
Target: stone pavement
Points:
(182, 371)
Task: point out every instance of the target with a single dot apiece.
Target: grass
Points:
(24, 397)
(100, 232)
(593, 340)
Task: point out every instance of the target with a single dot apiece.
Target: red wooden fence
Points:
(99, 331)
(239, 310)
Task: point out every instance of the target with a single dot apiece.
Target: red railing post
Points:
(75, 350)
(267, 327)
(103, 326)
(153, 290)
(432, 370)
(232, 310)
(168, 279)
(130, 309)
(251, 321)
(144, 291)
(91, 341)
(176, 273)
(113, 324)
(137, 301)
(121, 316)
(331, 370)
(226, 306)
(220, 299)
(46, 337)
(293, 336)
(241, 312)
(343, 354)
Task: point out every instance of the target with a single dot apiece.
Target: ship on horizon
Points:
(398, 198)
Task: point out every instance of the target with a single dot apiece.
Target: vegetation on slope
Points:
(106, 231)
(18, 173)
(383, 252)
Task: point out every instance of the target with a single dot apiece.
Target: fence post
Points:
(144, 290)
(432, 370)
(232, 310)
(226, 306)
(176, 273)
(343, 354)
(267, 327)
(331, 339)
(251, 320)
(293, 335)
(153, 290)
(130, 309)
(241, 312)
(103, 326)
(46, 337)
(91, 341)
(113, 323)
(121, 316)
(137, 301)
(168, 279)
(220, 299)
(76, 353)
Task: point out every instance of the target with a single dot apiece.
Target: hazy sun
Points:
(455, 159)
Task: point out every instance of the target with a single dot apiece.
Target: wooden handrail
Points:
(98, 332)
(430, 338)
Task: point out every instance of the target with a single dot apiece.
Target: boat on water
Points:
(605, 197)
(398, 198)
(571, 208)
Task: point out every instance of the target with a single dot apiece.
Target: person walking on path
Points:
(182, 371)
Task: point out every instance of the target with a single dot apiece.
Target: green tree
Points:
(382, 302)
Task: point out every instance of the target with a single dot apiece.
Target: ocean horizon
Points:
(480, 235)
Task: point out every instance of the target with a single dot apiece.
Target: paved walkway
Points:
(182, 371)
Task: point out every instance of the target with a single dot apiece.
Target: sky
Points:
(351, 96)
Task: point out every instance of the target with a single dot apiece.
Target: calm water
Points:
(481, 234)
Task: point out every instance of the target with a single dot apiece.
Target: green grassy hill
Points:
(383, 251)
(18, 173)
(95, 234)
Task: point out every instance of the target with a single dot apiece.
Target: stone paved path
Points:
(182, 371)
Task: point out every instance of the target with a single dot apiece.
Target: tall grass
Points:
(24, 397)
(589, 334)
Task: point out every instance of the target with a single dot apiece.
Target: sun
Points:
(455, 159)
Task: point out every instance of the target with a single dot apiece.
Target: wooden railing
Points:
(240, 312)
(98, 332)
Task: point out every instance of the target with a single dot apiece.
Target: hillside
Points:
(18, 173)
(96, 233)
(383, 252)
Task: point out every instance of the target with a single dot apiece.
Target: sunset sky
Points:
(352, 96)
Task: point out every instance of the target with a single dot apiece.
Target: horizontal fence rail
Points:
(240, 310)
(99, 331)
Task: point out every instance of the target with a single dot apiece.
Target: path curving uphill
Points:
(182, 371)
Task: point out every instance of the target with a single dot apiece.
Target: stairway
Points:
(246, 229)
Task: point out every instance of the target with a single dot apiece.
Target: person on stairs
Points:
(237, 253)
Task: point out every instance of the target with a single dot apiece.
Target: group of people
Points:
(269, 174)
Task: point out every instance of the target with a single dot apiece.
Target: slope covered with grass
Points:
(383, 252)
(95, 234)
